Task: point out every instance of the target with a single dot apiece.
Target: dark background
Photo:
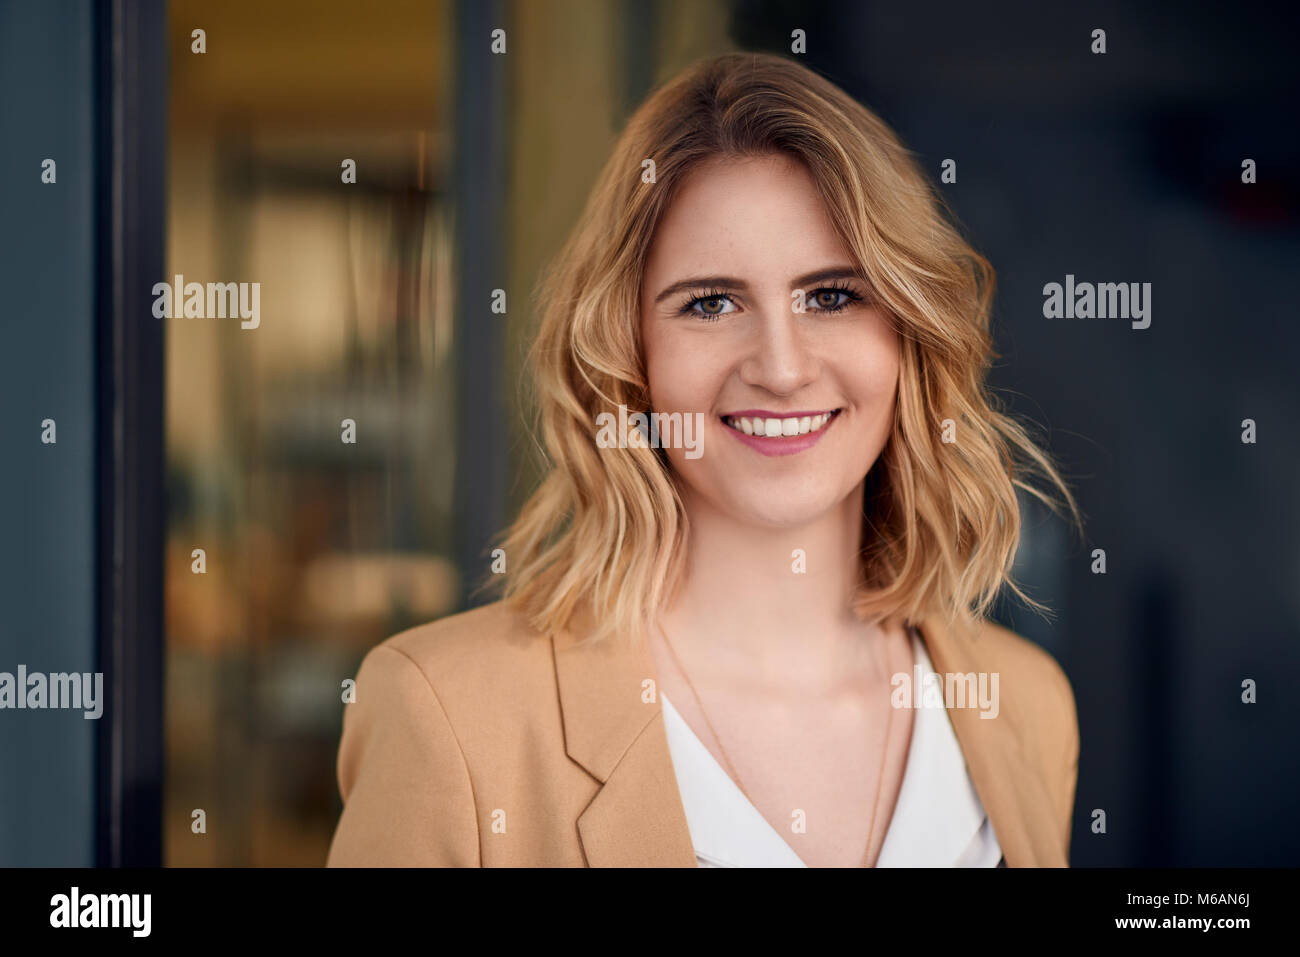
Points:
(1127, 167)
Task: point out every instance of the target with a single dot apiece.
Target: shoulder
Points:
(1036, 708)
(428, 703)
(1033, 687)
(483, 664)
(1037, 680)
(1031, 692)
(1037, 698)
(471, 644)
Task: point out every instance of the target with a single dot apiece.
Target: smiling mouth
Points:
(780, 426)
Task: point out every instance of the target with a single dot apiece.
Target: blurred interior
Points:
(317, 550)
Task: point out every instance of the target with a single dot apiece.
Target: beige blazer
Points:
(475, 741)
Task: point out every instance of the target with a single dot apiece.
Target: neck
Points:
(748, 594)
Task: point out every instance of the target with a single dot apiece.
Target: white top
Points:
(938, 820)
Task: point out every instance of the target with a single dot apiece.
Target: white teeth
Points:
(799, 425)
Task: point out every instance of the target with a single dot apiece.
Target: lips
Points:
(771, 424)
(779, 433)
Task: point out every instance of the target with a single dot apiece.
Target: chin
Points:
(777, 509)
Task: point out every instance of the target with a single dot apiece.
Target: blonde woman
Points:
(744, 622)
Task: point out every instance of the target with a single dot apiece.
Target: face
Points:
(797, 405)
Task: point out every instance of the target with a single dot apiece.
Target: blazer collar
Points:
(614, 729)
(1012, 789)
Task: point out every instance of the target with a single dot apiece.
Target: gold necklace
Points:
(735, 776)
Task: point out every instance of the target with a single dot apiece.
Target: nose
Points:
(780, 358)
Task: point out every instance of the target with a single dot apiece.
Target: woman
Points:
(778, 495)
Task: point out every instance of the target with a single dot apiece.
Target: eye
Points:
(708, 305)
(828, 299)
(831, 298)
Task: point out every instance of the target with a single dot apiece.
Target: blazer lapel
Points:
(1012, 790)
(636, 819)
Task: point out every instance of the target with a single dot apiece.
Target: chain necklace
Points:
(735, 776)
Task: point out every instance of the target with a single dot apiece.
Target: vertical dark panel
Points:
(640, 35)
(479, 195)
(132, 136)
(47, 528)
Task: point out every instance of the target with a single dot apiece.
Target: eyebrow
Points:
(728, 282)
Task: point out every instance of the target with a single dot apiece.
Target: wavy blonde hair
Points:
(602, 536)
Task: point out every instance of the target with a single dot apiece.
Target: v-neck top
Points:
(938, 820)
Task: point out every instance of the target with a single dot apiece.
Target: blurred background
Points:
(471, 168)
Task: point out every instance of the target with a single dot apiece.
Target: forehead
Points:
(762, 215)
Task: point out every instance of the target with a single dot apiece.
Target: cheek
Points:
(876, 375)
(871, 383)
(683, 375)
(880, 379)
